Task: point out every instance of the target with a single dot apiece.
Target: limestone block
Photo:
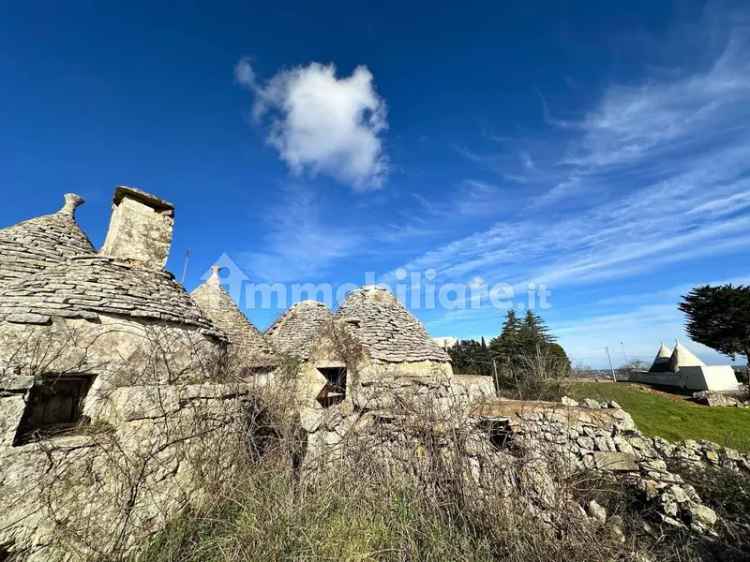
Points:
(623, 446)
(11, 410)
(703, 515)
(615, 462)
(678, 493)
(16, 383)
(144, 402)
(604, 443)
(597, 511)
(624, 422)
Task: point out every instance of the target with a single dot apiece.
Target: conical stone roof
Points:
(39, 243)
(86, 286)
(246, 341)
(295, 331)
(387, 331)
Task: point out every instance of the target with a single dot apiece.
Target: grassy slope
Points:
(674, 419)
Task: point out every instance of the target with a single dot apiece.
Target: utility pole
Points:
(612, 370)
(494, 369)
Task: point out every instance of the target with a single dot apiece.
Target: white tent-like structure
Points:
(681, 368)
(682, 357)
(661, 361)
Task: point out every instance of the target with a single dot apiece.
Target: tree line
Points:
(524, 347)
(717, 316)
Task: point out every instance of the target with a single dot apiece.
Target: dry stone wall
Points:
(414, 421)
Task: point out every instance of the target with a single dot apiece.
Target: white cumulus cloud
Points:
(323, 124)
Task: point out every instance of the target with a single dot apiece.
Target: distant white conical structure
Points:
(661, 361)
(683, 357)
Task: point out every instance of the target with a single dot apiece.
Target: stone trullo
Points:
(250, 349)
(92, 348)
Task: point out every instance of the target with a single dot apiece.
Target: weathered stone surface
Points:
(474, 387)
(615, 462)
(16, 383)
(719, 399)
(386, 330)
(144, 402)
(27, 318)
(11, 410)
(140, 228)
(597, 511)
(622, 445)
(548, 436)
(37, 244)
(703, 515)
(295, 331)
(140, 472)
(140, 293)
(247, 344)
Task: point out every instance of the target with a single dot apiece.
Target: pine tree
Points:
(534, 333)
(525, 342)
(506, 345)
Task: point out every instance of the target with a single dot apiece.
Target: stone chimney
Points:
(140, 229)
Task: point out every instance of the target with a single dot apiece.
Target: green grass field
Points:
(673, 418)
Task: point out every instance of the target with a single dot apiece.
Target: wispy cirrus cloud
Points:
(321, 123)
(670, 294)
(304, 238)
(658, 173)
(472, 198)
(299, 244)
(645, 121)
(647, 130)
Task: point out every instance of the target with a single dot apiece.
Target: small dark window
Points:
(334, 391)
(250, 372)
(500, 433)
(55, 405)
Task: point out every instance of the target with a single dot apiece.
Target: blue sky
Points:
(599, 149)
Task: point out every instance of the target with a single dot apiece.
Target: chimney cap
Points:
(158, 204)
(72, 202)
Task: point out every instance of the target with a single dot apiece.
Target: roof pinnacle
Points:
(72, 202)
(214, 279)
